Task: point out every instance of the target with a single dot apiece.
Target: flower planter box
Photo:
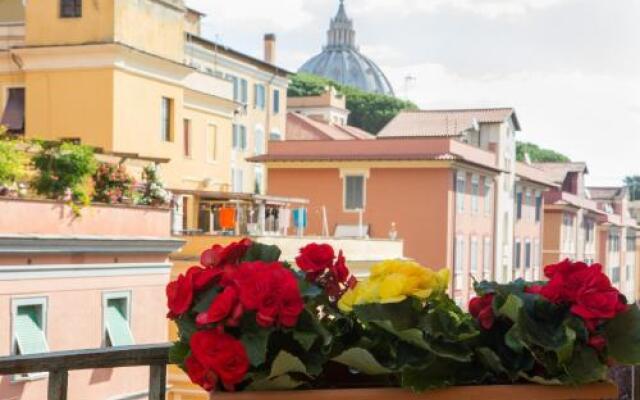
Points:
(597, 391)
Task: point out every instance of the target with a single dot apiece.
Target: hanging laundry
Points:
(284, 222)
(227, 217)
(300, 217)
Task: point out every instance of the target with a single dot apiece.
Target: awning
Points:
(13, 115)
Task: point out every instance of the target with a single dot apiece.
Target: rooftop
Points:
(301, 127)
(444, 123)
(417, 149)
(557, 172)
(607, 193)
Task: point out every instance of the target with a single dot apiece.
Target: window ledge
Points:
(21, 378)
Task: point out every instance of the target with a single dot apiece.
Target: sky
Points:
(571, 68)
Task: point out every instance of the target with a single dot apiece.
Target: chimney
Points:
(270, 48)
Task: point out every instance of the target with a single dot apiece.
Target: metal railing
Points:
(58, 365)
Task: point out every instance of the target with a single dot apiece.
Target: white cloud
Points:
(592, 118)
(487, 8)
(283, 15)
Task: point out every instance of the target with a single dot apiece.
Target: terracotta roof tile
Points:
(557, 172)
(443, 122)
(301, 127)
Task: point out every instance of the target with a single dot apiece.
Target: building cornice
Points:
(60, 271)
(124, 58)
(200, 53)
(45, 244)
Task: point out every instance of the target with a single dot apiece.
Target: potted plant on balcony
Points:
(250, 323)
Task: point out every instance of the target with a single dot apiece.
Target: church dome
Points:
(342, 62)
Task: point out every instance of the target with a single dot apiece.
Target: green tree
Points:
(65, 167)
(369, 111)
(633, 183)
(538, 154)
(12, 162)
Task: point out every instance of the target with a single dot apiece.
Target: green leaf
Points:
(262, 252)
(586, 367)
(401, 315)
(491, 360)
(256, 345)
(623, 337)
(186, 327)
(305, 339)
(178, 352)
(286, 363)
(283, 382)
(511, 307)
(205, 300)
(361, 360)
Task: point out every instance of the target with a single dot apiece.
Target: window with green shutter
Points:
(117, 329)
(28, 328)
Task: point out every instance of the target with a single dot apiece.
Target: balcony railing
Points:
(58, 365)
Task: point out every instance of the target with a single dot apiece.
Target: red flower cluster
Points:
(587, 290)
(481, 308)
(269, 289)
(319, 263)
(216, 355)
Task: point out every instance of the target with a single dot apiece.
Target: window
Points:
(473, 261)
(187, 137)
(116, 316)
(475, 192)
(528, 203)
(614, 242)
(13, 114)
(517, 255)
(527, 254)
(568, 232)
(487, 253)
(276, 101)
(236, 87)
(237, 180)
(488, 196)
(615, 274)
(166, 119)
(458, 271)
(354, 192)
(258, 180)
(259, 141)
(519, 205)
(275, 136)
(260, 96)
(29, 323)
(460, 191)
(70, 8)
(244, 91)
(536, 259)
(212, 143)
(239, 140)
(538, 206)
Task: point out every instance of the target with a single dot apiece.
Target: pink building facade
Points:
(92, 281)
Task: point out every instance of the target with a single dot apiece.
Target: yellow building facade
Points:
(134, 78)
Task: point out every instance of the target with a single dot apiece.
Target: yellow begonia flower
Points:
(392, 281)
